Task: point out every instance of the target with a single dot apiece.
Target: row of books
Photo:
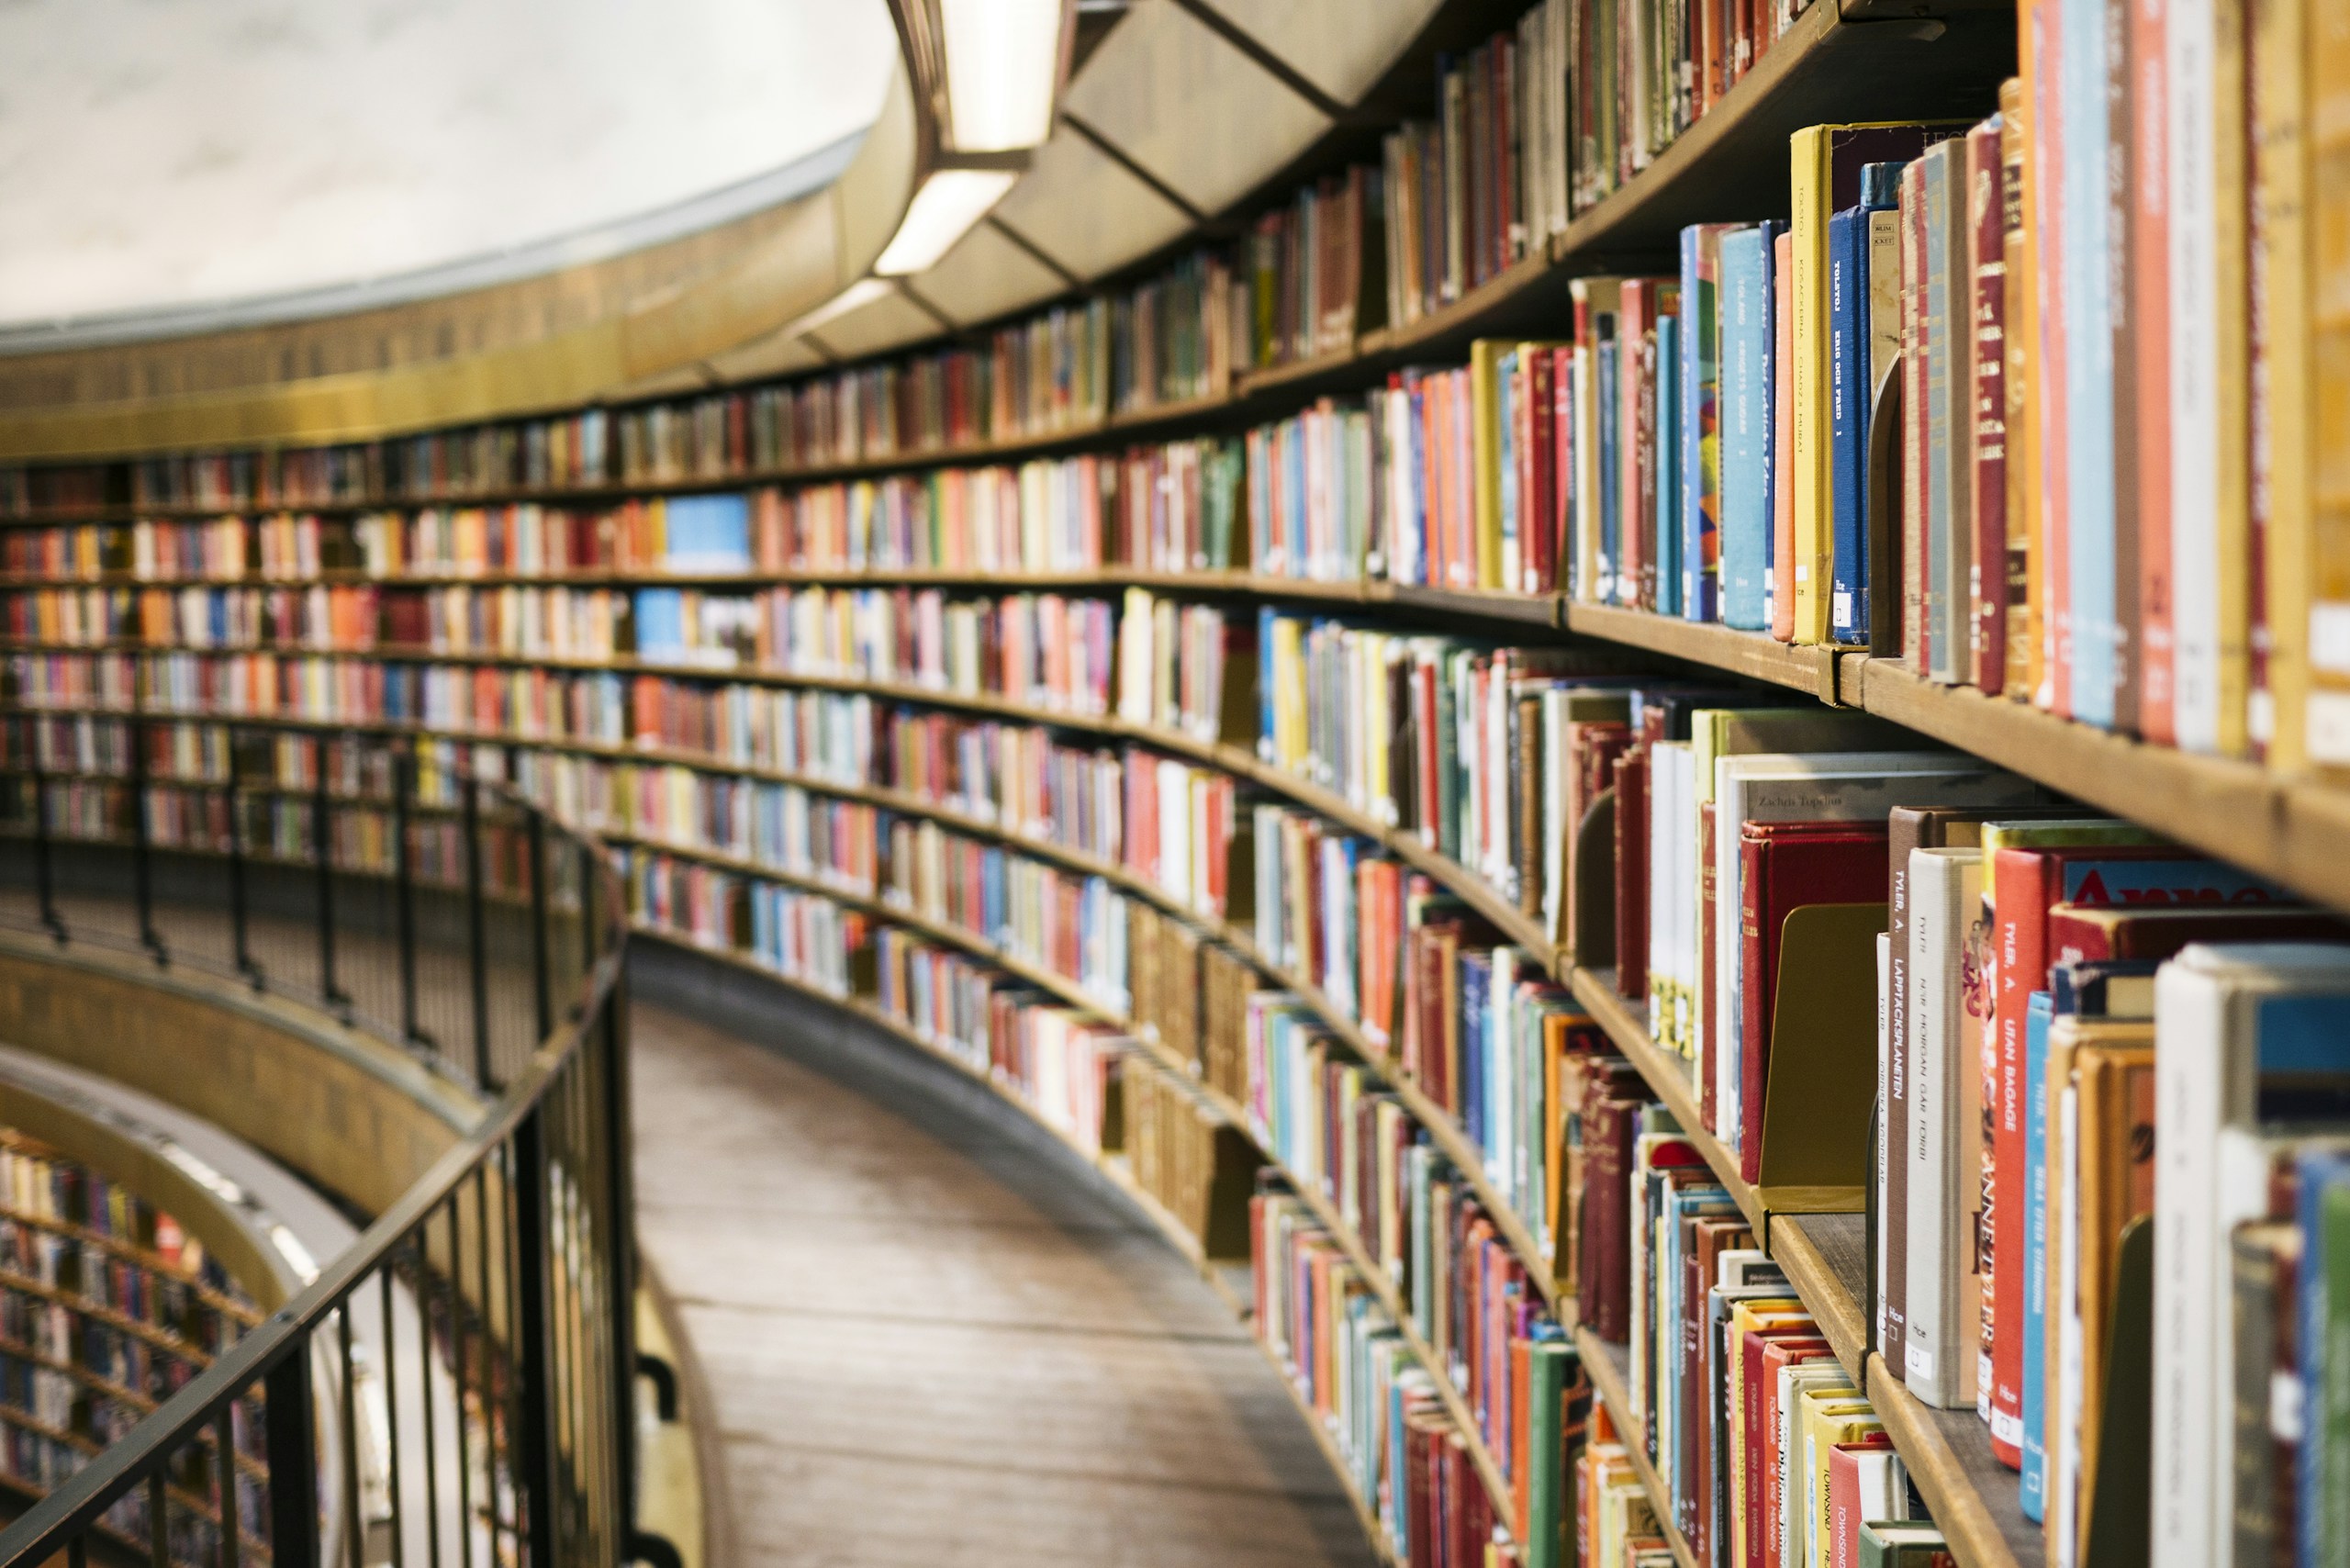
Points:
(1539, 122)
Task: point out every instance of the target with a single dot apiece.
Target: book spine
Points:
(2019, 378)
(1895, 1072)
(1745, 427)
(1986, 210)
(2287, 320)
(1942, 410)
(2046, 177)
(1812, 457)
(2324, 628)
(1917, 416)
(1783, 464)
(1847, 425)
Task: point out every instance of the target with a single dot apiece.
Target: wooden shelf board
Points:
(1974, 1498)
(1491, 605)
(1752, 654)
(2297, 833)
(1825, 1260)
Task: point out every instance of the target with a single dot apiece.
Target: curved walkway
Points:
(933, 1339)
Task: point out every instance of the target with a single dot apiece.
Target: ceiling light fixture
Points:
(1003, 61)
(943, 211)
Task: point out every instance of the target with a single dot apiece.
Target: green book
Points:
(1546, 1542)
(1902, 1543)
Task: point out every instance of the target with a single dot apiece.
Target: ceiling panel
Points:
(1341, 46)
(1085, 212)
(1190, 107)
(891, 322)
(985, 275)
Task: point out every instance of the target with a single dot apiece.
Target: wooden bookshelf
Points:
(1849, 60)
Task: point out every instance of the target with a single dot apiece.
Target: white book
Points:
(2215, 1008)
(1815, 786)
(2190, 29)
(1555, 828)
(1672, 884)
(1943, 1139)
(1889, 1139)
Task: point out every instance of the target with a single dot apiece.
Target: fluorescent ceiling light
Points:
(950, 202)
(1001, 59)
(863, 292)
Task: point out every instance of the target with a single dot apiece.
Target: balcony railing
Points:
(457, 1388)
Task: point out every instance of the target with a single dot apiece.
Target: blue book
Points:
(1749, 347)
(2323, 1209)
(1266, 617)
(1847, 292)
(2039, 1017)
(1609, 392)
(1700, 434)
(1668, 465)
(1852, 396)
(1476, 979)
(660, 622)
(2085, 128)
(707, 532)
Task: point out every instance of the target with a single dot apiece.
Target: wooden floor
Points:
(932, 1338)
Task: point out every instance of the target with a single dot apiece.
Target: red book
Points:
(1988, 425)
(1844, 1517)
(1764, 1491)
(1632, 873)
(1785, 866)
(1521, 1437)
(1708, 963)
(2022, 886)
(1423, 1442)
(1610, 1126)
(1560, 520)
(2095, 932)
(1536, 469)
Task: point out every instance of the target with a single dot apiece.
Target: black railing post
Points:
(476, 943)
(241, 950)
(404, 890)
(44, 875)
(610, 1037)
(538, 977)
(142, 883)
(587, 916)
(322, 851)
(291, 1440)
(534, 1457)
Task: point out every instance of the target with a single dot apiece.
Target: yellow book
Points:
(2281, 65)
(1827, 1422)
(1486, 410)
(1746, 1317)
(2323, 722)
(1821, 155)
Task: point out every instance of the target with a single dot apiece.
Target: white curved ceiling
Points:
(162, 154)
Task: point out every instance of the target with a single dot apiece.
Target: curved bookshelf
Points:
(1836, 63)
